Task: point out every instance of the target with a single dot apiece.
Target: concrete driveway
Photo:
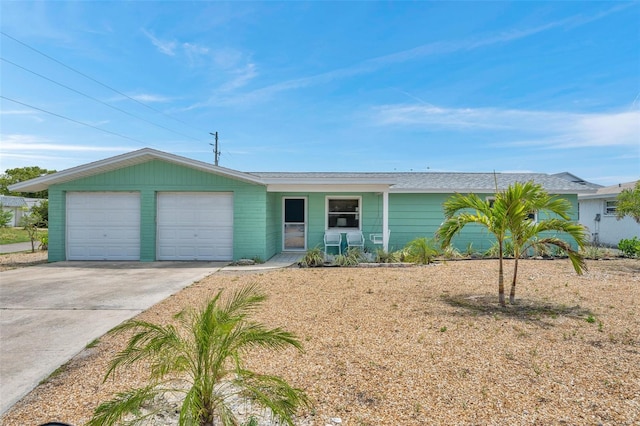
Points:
(49, 313)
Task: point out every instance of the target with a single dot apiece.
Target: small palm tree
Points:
(521, 199)
(461, 210)
(421, 251)
(206, 350)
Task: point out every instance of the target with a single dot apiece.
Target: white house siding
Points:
(608, 230)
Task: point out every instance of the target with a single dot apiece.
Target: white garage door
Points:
(195, 226)
(103, 226)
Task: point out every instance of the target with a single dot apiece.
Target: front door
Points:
(295, 226)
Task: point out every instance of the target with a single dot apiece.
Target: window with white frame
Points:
(610, 207)
(343, 212)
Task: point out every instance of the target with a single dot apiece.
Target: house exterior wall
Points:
(609, 230)
(158, 176)
(420, 215)
(410, 216)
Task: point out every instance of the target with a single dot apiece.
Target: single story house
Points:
(150, 205)
(16, 205)
(598, 214)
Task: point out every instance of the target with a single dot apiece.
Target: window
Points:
(343, 212)
(610, 207)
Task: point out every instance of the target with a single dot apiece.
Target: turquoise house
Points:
(149, 205)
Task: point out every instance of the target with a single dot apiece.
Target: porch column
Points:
(385, 220)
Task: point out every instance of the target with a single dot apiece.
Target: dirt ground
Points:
(21, 260)
(419, 345)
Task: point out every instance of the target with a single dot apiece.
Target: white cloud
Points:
(13, 144)
(166, 47)
(150, 98)
(521, 127)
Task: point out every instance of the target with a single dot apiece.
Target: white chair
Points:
(332, 239)
(355, 239)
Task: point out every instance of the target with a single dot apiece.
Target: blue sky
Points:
(326, 86)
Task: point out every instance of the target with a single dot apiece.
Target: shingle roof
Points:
(437, 182)
(397, 182)
(610, 191)
(10, 201)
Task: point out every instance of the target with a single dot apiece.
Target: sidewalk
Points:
(17, 247)
(280, 260)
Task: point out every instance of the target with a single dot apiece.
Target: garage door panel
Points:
(195, 226)
(103, 226)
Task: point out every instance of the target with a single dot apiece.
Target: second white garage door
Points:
(195, 226)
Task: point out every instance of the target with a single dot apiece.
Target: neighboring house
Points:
(598, 213)
(17, 207)
(149, 205)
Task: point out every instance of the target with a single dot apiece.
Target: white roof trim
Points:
(126, 160)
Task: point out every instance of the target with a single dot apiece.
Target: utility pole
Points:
(216, 153)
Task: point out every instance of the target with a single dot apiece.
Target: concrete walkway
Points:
(50, 312)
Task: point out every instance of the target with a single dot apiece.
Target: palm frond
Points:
(274, 393)
(113, 411)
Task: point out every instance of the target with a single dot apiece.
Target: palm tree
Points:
(461, 210)
(205, 349)
(421, 251)
(523, 199)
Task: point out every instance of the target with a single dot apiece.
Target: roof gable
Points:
(126, 160)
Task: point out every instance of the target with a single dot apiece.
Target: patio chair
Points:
(332, 239)
(355, 239)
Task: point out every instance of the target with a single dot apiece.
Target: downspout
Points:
(385, 220)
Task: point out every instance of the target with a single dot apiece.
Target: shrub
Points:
(421, 251)
(630, 247)
(351, 257)
(313, 257)
(383, 256)
(5, 217)
(44, 241)
(507, 250)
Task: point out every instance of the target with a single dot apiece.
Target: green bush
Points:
(5, 217)
(351, 257)
(383, 256)
(44, 241)
(630, 247)
(421, 251)
(313, 257)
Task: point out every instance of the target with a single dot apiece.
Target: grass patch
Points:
(13, 235)
(58, 371)
(17, 235)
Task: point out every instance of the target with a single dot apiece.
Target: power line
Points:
(72, 120)
(98, 82)
(98, 100)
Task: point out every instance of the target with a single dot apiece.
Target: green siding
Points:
(148, 178)
(258, 214)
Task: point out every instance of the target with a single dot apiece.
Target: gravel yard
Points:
(419, 345)
(20, 260)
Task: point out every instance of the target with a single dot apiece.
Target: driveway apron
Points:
(49, 313)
